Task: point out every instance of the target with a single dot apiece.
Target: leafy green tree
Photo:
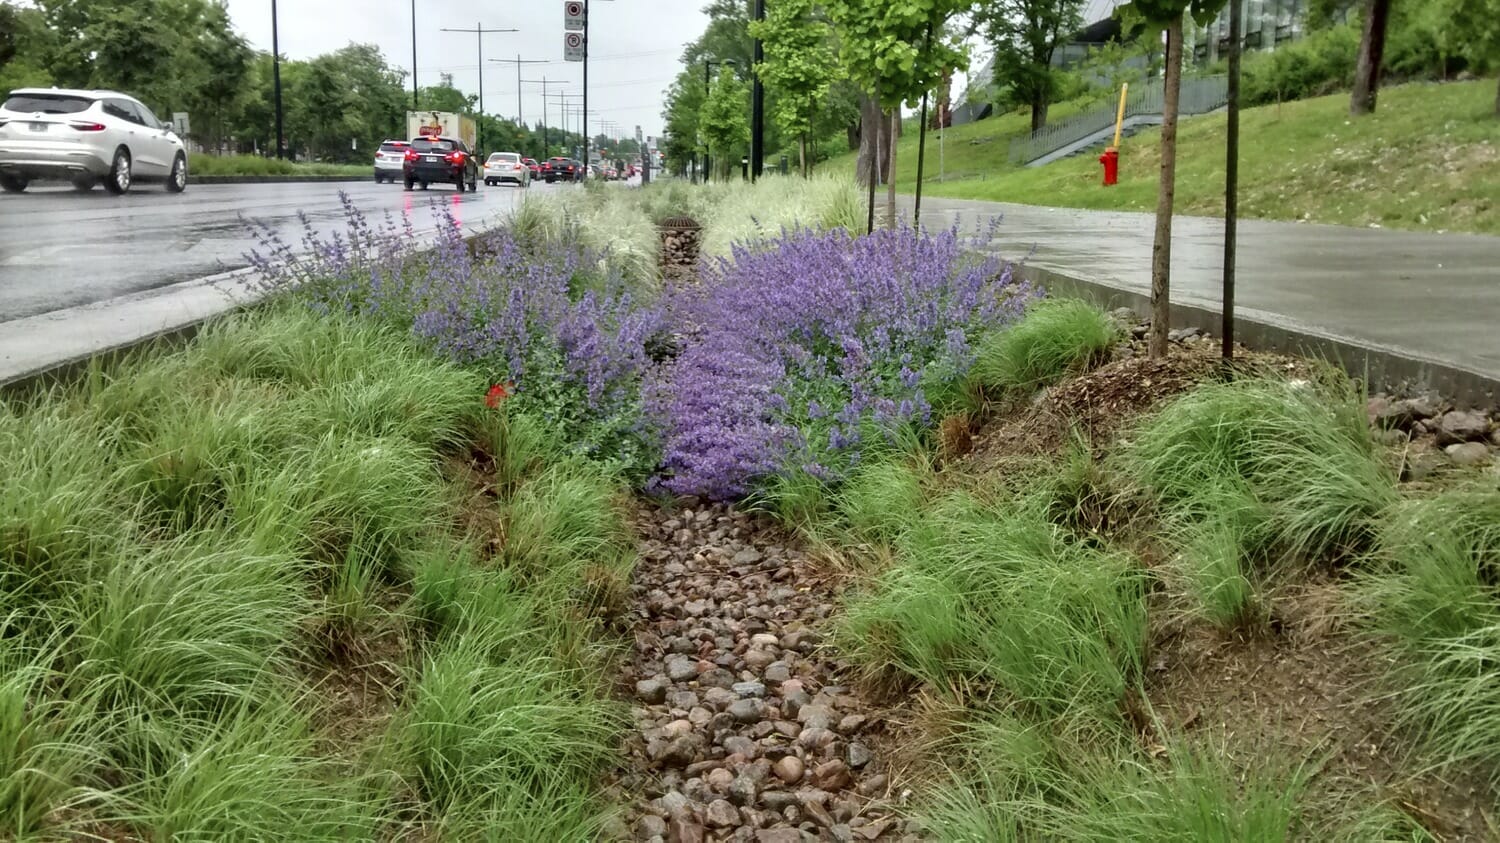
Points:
(1167, 15)
(1025, 34)
(684, 102)
(725, 118)
(1371, 53)
(25, 43)
(799, 67)
(895, 50)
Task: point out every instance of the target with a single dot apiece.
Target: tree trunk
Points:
(802, 153)
(869, 138)
(887, 142)
(890, 180)
(1038, 110)
(1161, 248)
(1371, 50)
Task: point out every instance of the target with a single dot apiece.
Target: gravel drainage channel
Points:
(746, 728)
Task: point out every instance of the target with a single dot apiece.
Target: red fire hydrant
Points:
(1111, 161)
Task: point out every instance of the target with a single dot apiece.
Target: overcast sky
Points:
(635, 48)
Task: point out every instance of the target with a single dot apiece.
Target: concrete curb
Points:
(192, 179)
(1381, 369)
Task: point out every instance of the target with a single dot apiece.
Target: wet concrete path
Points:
(1434, 297)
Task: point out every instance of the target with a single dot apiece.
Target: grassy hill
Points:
(1428, 160)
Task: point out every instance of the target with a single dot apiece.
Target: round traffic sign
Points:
(574, 9)
(573, 39)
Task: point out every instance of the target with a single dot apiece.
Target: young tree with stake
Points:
(800, 66)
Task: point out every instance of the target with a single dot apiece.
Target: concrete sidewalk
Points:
(1433, 298)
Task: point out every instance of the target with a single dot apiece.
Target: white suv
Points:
(86, 137)
(506, 166)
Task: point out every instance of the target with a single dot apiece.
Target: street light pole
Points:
(708, 66)
(546, 136)
(757, 103)
(414, 105)
(276, 79)
(518, 61)
(479, 33)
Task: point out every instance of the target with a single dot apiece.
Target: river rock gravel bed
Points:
(747, 728)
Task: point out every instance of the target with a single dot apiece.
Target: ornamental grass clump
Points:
(1432, 594)
(807, 352)
(1256, 473)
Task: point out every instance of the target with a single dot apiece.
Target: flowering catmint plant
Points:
(568, 344)
(803, 349)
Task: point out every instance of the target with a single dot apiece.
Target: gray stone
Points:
(672, 804)
(743, 790)
(741, 745)
(778, 672)
(651, 691)
(813, 738)
(747, 710)
(722, 814)
(1392, 437)
(816, 717)
(764, 639)
(749, 689)
(719, 698)
(802, 640)
(852, 723)
(757, 659)
(650, 826)
(748, 556)
(695, 608)
(681, 752)
(779, 800)
(857, 754)
(842, 833)
(717, 677)
(681, 668)
(818, 814)
(1468, 453)
(683, 700)
(1460, 426)
(719, 779)
(874, 785)
(778, 835)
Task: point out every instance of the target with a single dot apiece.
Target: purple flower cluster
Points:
(546, 317)
(805, 349)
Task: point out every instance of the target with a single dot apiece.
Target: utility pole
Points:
(546, 137)
(518, 61)
(757, 103)
(276, 79)
(479, 33)
(1232, 178)
(414, 105)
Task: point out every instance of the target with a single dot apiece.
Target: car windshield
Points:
(507, 157)
(432, 145)
(47, 103)
(392, 147)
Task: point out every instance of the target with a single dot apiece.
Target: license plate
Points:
(38, 127)
(431, 158)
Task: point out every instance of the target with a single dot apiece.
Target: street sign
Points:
(573, 46)
(180, 123)
(573, 15)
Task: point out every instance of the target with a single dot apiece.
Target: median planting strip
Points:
(499, 536)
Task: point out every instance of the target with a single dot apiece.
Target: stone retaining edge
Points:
(1381, 369)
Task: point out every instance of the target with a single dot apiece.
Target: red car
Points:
(533, 166)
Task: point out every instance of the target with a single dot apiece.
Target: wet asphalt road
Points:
(59, 248)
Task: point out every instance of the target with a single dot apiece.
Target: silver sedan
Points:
(86, 137)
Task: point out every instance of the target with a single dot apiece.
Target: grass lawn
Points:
(1428, 160)
(254, 165)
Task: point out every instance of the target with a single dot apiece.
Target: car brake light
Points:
(454, 157)
(411, 155)
(87, 127)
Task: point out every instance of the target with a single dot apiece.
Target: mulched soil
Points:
(747, 726)
(1309, 688)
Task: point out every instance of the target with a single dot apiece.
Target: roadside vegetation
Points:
(200, 164)
(356, 560)
(1076, 615)
(1426, 161)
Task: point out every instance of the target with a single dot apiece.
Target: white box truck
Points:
(445, 123)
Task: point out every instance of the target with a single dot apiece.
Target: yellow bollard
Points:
(1120, 116)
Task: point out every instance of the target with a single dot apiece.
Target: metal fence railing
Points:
(1198, 96)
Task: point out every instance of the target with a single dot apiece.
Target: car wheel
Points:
(13, 184)
(177, 179)
(424, 185)
(409, 184)
(118, 180)
(83, 184)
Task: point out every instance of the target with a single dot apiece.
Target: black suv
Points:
(562, 169)
(439, 159)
